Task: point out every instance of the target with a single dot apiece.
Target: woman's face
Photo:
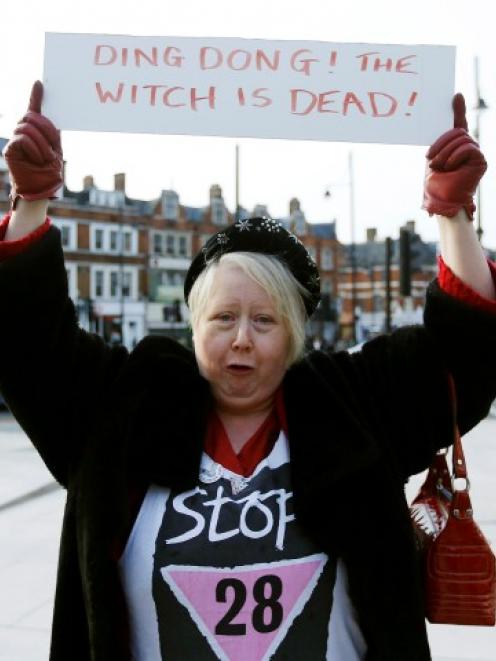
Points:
(241, 344)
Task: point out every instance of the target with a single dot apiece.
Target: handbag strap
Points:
(461, 507)
(459, 464)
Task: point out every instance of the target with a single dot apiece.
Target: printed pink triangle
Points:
(196, 588)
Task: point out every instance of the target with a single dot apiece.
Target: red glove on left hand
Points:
(34, 154)
(454, 168)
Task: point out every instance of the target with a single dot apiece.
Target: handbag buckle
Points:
(466, 514)
(455, 480)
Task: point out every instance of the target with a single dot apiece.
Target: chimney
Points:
(120, 181)
(371, 234)
(410, 226)
(259, 211)
(294, 205)
(215, 192)
(88, 182)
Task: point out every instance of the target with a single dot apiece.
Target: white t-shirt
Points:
(224, 571)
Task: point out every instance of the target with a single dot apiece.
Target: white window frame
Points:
(71, 225)
(133, 233)
(127, 277)
(182, 239)
(107, 269)
(114, 234)
(170, 240)
(102, 273)
(93, 234)
(326, 259)
(71, 270)
(108, 229)
(113, 272)
(326, 286)
(126, 234)
(157, 237)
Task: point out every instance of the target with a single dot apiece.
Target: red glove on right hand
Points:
(454, 168)
(34, 154)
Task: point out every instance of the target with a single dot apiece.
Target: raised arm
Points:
(34, 158)
(455, 166)
(54, 375)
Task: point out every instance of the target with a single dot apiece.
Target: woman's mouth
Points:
(239, 369)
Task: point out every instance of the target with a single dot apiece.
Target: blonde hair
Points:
(275, 278)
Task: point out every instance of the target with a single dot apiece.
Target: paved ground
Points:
(30, 515)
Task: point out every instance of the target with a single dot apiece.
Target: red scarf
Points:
(257, 447)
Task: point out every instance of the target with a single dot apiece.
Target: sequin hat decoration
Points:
(266, 236)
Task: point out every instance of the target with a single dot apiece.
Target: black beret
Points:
(262, 235)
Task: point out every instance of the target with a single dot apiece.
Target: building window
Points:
(114, 284)
(219, 212)
(128, 243)
(98, 239)
(114, 240)
(326, 286)
(126, 284)
(158, 248)
(66, 236)
(170, 244)
(183, 246)
(170, 204)
(98, 283)
(326, 263)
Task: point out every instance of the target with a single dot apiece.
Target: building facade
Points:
(126, 262)
(363, 285)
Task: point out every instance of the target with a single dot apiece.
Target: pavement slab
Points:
(30, 532)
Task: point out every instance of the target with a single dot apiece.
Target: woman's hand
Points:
(455, 166)
(34, 154)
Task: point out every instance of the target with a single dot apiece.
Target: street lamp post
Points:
(121, 270)
(353, 246)
(480, 106)
(237, 211)
(351, 185)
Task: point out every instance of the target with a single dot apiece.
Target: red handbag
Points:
(459, 565)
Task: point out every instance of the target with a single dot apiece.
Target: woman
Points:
(241, 502)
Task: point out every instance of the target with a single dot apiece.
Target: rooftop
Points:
(372, 253)
(322, 230)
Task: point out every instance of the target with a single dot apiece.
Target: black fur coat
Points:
(108, 423)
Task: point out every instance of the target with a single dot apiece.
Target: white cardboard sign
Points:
(305, 90)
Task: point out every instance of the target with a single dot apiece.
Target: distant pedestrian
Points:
(244, 501)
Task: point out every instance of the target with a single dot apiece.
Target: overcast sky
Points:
(388, 179)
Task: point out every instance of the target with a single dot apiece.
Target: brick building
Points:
(126, 260)
(321, 242)
(176, 233)
(363, 282)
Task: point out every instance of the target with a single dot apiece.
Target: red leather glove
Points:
(455, 166)
(34, 154)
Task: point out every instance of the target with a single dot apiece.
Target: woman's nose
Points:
(242, 338)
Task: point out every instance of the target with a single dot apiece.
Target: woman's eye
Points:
(264, 320)
(225, 317)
